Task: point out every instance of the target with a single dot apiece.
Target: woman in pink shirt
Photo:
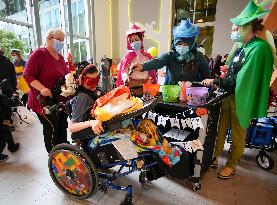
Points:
(135, 54)
(44, 68)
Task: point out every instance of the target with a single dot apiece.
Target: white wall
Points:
(225, 10)
(161, 35)
(103, 29)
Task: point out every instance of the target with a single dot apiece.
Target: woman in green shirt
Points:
(247, 83)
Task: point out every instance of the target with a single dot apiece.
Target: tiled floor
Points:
(24, 180)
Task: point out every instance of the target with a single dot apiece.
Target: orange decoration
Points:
(201, 112)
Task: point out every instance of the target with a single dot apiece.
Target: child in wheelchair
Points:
(80, 106)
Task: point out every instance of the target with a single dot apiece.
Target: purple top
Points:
(42, 66)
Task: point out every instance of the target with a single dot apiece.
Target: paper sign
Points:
(162, 120)
(196, 123)
(187, 146)
(196, 145)
(193, 146)
(177, 134)
(186, 123)
(175, 122)
(126, 148)
(152, 116)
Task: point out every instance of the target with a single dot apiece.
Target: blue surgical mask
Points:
(136, 46)
(182, 50)
(58, 45)
(236, 36)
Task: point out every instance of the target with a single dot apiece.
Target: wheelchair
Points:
(80, 170)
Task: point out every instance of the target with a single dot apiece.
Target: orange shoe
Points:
(226, 173)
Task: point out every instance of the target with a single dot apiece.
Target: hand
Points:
(208, 82)
(96, 126)
(188, 84)
(46, 92)
(163, 73)
(136, 66)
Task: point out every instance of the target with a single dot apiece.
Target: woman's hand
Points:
(96, 126)
(46, 92)
(208, 82)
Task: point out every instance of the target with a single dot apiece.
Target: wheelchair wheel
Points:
(72, 171)
(264, 161)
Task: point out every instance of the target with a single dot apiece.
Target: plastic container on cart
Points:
(171, 93)
(151, 90)
(197, 96)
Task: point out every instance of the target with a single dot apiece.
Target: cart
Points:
(80, 170)
(261, 135)
(205, 130)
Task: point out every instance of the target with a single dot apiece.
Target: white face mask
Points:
(15, 58)
(237, 36)
(182, 50)
(136, 46)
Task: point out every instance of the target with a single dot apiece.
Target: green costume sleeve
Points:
(156, 63)
(252, 83)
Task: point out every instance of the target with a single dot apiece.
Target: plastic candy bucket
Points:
(171, 93)
(151, 90)
(197, 96)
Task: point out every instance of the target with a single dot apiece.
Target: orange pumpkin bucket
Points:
(151, 90)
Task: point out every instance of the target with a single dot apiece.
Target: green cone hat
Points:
(250, 12)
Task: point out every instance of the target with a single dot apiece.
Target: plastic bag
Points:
(22, 117)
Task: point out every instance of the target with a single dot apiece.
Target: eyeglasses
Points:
(235, 29)
(62, 40)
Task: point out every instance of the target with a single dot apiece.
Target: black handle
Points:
(196, 83)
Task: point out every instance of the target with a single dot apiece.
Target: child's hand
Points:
(96, 126)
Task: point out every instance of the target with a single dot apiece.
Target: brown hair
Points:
(18, 53)
(257, 25)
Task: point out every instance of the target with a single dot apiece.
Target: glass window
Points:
(203, 15)
(50, 15)
(81, 17)
(14, 9)
(74, 18)
(22, 33)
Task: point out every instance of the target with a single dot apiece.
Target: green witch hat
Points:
(250, 12)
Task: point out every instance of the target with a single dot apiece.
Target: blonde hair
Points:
(51, 33)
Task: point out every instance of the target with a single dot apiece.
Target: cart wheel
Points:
(196, 186)
(127, 200)
(264, 161)
(72, 171)
(142, 177)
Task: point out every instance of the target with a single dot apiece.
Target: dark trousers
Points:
(5, 137)
(54, 129)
